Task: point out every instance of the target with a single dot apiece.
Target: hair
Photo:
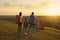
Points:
(32, 13)
(20, 13)
(25, 18)
(16, 15)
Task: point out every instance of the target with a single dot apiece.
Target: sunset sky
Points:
(40, 7)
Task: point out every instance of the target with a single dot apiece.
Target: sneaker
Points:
(25, 34)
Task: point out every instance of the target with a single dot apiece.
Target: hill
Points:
(49, 21)
(8, 31)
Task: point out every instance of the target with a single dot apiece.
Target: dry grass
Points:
(8, 31)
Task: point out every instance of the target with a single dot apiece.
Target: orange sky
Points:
(40, 7)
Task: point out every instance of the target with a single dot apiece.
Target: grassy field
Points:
(8, 31)
(49, 21)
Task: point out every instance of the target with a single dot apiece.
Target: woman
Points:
(31, 19)
(20, 22)
(32, 24)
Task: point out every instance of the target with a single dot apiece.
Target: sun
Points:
(52, 12)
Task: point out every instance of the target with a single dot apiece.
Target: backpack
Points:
(16, 19)
(40, 26)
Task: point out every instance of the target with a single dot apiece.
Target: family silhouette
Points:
(28, 24)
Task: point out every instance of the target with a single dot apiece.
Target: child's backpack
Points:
(40, 26)
(16, 19)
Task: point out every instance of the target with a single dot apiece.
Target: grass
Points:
(8, 31)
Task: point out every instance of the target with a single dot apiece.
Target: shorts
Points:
(31, 23)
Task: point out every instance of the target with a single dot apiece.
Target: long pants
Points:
(32, 30)
(26, 30)
(19, 28)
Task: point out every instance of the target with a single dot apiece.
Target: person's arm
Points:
(38, 19)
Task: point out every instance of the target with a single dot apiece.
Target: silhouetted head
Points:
(32, 13)
(20, 13)
(25, 18)
(16, 15)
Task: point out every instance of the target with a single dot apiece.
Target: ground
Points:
(8, 31)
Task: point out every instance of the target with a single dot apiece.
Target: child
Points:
(25, 26)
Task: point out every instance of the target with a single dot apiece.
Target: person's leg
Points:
(19, 28)
(33, 31)
(25, 30)
(29, 30)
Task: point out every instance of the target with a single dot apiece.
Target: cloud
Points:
(6, 4)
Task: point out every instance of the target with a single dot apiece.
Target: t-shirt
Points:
(21, 18)
(25, 23)
(31, 19)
